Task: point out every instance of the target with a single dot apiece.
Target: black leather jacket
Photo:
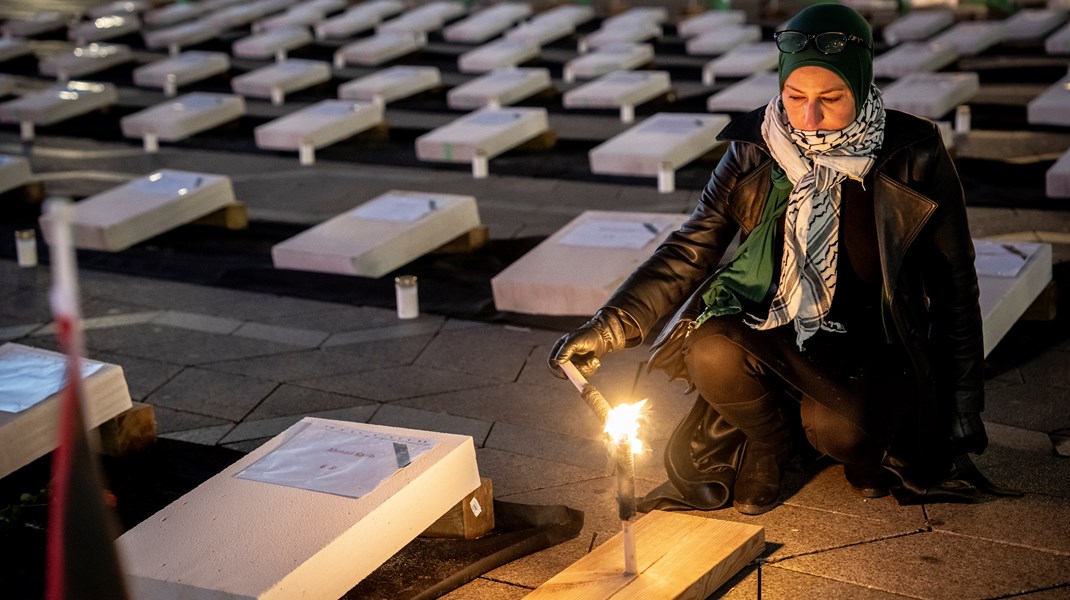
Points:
(926, 253)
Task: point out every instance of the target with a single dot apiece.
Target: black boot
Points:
(871, 481)
(767, 451)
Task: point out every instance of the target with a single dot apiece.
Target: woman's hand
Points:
(586, 345)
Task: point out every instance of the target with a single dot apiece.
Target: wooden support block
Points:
(471, 241)
(679, 556)
(1045, 306)
(471, 518)
(130, 431)
(232, 216)
(542, 142)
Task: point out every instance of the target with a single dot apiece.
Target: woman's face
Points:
(816, 98)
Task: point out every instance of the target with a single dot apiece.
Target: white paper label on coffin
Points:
(344, 462)
(1001, 260)
(611, 234)
(167, 184)
(397, 209)
(27, 378)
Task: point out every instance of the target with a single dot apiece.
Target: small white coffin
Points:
(234, 537)
(709, 21)
(14, 172)
(1011, 275)
(972, 37)
(1032, 24)
(498, 54)
(233, 17)
(104, 28)
(745, 95)
(136, 211)
(487, 23)
(276, 42)
(640, 14)
(1057, 178)
(378, 49)
(186, 68)
(176, 37)
(173, 14)
(316, 126)
(615, 57)
(542, 30)
(1052, 106)
(36, 24)
(12, 48)
(277, 80)
(391, 84)
(913, 57)
(36, 377)
(182, 117)
(120, 7)
(380, 235)
(918, 26)
(1058, 43)
(482, 135)
(297, 16)
(85, 60)
(724, 39)
(575, 270)
(424, 19)
(56, 104)
(658, 146)
(501, 87)
(634, 33)
(620, 89)
(742, 61)
(931, 95)
(360, 18)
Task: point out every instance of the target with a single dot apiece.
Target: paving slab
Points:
(536, 481)
(486, 589)
(420, 327)
(414, 418)
(1035, 406)
(259, 429)
(170, 421)
(396, 383)
(213, 394)
(289, 367)
(1027, 521)
(779, 583)
(293, 400)
(1026, 471)
(310, 338)
(495, 354)
(525, 440)
(142, 376)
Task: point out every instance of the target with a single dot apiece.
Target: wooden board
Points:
(679, 556)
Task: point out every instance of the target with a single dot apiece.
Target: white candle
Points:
(408, 300)
(26, 247)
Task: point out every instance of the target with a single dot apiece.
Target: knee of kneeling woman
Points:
(834, 436)
(714, 357)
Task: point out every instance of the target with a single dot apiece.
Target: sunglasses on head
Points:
(830, 42)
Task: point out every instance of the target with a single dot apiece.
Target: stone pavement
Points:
(233, 368)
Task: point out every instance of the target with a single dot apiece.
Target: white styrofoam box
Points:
(298, 16)
(639, 14)
(615, 57)
(487, 23)
(931, 95)
(184, 116)
(1057, 178)
(33, 432)
(918, 25)
(36, 24)
(361, 17)
(1052, 106)
(724, 39)
(85, 60)
(378, 49)
(972, 37)
(663, 140)
(104, 28)
(11, 48)
(270, 43)
(59, 103)
(498, 54)
(233, 17)
(486, 132)
(424, 18)
(1058, 43)
(618, 89)
(642, 31)
(233, 537)
(379, 236)
(746, 95)
(210, 5)
(186, 68)
(173, 14)
(913, 57)
(541, 31)
(120, 7)
(327, 7)
(321, 124)
(501, 87)
(708, 21)
(185, 34)
(268, 7)
(573, 13)
(391, 84)
(14, 172)
(125, 215)
(562, 277)
(742, 61)
(276, 80)
(1030, 24)
(1010, 276)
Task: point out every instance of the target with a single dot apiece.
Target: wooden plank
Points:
(232, 216)
(471, 518)
(679, 556)
(130, 431)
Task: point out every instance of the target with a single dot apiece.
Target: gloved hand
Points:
(968, 433)
(584, 346)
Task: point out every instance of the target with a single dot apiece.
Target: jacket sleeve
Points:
(688, 254)
(950, 281)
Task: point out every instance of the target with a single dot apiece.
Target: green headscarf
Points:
(854, 65)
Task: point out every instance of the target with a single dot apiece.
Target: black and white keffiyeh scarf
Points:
(816, 162)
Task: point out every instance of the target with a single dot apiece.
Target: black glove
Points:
(584, 346)
(968, 433)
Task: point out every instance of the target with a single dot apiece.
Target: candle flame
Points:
(622, 424)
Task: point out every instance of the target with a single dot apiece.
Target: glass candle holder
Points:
(26, 247)
(408, 299)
